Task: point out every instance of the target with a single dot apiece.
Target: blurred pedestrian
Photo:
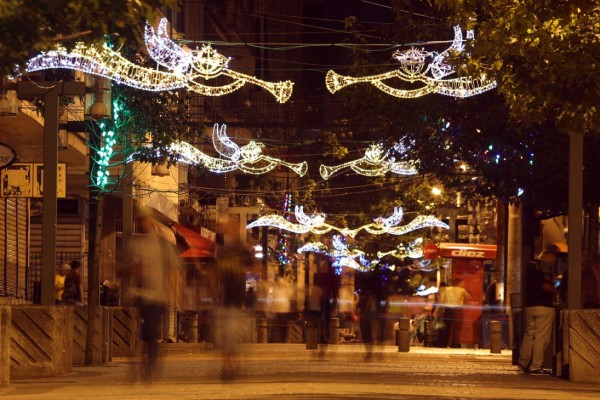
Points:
(451, 309)
(233, 260)
(368, 315)
(73, 291)
(539, 310)
(59, 283)
(152, 261)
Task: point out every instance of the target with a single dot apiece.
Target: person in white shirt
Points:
(450, 310)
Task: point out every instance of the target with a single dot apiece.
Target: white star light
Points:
(189, 69)
(374, 163)
(412, 69)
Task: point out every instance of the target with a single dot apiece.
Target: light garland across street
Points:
(413, 70)
(248, 158)
(317, 225)
(374, 163)
(188, 69)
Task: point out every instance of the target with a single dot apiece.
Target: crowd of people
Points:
(219, 300)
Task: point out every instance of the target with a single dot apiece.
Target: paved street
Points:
(290, 371)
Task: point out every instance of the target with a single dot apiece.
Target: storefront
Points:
(471, 263)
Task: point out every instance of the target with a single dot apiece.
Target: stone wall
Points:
(40, 341)
(581, 345)
(4, 346)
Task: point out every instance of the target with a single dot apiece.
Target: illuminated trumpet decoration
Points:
(412, 250)
(248, 158)
(188, 69)
(374, 163)
(316, 224)
(344, 256)
(413, 70)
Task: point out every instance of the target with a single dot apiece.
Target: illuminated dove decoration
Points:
(374, 163)
(316, 224)
(414, 70)
(188, 69)
(248, 158)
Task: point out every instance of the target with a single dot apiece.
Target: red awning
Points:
(199, 246)
(467, 250)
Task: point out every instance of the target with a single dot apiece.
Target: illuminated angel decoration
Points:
(188, 69)
(375, 162)
(413, 70)
(248, 158)
(413, 250)
(316, 224)
(344, 257)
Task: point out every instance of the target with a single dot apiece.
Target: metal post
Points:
(312, 329)
(50, 92)
(575, 219)
(495, 337)
(403, 339)
(261, 330)
(334, 331)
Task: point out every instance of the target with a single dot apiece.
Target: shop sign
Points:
(467, 250)
(7, 155)
(430, 251)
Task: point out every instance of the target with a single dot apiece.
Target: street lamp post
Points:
(50, 91)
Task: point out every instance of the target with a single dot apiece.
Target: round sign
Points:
(430, 251)
(7, 155)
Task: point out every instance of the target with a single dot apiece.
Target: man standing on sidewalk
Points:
(539, 311)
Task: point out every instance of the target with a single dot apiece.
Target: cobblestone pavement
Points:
(290, 371)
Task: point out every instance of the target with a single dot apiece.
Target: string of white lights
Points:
(248, 158)
(414, 70)
(317, 225)
(344, 257)
(375, 162)
(189, 68)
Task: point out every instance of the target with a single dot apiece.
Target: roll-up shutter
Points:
(3, 269)
(14, 215)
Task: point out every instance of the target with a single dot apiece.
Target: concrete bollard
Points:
(192, 328)
(261, 330)
(403, 335)
(334, 331)
(311, 333)
(496, 337)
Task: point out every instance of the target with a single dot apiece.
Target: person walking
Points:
(59, 283)
(73, 292)
(450, 310)
(233, 260)
(539, 311)
(152, 261)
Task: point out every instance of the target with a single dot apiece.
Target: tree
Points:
(543, 54)
(28, 27)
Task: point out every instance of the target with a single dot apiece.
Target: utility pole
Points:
(50, 91)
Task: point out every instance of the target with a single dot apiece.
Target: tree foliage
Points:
(28, 27)
(543, 54)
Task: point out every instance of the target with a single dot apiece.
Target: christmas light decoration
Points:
(316, 224)
(247, 158)
(413, 70)
(375, 162)
(344, 256)
(187, 68)
(414, 249)
(282, 243)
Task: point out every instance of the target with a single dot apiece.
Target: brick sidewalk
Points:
(276, 370)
